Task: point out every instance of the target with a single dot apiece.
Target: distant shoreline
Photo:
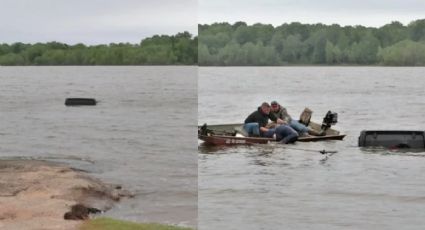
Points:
(95, 65)
(313, 65)
(242, 44)
(215, 66)
(179, 49)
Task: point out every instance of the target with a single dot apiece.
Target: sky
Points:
(107, 21)
(94, 21)
(374, 13)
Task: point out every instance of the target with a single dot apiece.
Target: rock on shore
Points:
(37, 194)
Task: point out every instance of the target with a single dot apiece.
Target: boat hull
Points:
(232, 140)
(230, 128)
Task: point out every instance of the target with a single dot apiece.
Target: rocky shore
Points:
(39, 195)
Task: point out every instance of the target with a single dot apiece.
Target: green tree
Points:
(12, 59)
(403, 53)
(391, 33)
(417, 30)
(333, 54)
(293, 49)
(365, 51)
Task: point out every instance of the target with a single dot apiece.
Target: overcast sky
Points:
(344, 12)
(106, 21)
(94, 21)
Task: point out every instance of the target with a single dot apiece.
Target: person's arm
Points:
(276, 119)
(272, 117)
(285, 115)
(264, 129)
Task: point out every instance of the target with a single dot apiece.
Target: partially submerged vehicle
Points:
(234, 134)
(80, 101)
(393, 139)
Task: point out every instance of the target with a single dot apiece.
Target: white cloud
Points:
(343, 12)
(94, 21)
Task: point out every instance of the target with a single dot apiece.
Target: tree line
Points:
(225, 44)
(179, 49)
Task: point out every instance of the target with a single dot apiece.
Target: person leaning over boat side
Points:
(255, 123)
(285, 134)
(280, 112)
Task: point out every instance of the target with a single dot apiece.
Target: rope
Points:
(324, 151)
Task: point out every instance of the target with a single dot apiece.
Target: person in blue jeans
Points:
(252, 128)
(285, 134)
(255, 125)
(281, 113)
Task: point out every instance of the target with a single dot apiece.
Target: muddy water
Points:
(141, 134)
(296, 187)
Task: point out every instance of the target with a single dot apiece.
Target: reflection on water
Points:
(296, 186)
(141, 134)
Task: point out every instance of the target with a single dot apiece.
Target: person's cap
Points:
(265, 104)
(274, 103)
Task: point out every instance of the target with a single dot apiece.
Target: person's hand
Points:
(271, 125)
(280, 121)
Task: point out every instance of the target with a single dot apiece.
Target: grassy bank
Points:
(110, 224)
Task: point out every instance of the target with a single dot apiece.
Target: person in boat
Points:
(281, 113)
(256, 126)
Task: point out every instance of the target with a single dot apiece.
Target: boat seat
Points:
(306, 116)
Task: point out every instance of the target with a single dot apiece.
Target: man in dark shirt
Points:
(256, 126)
(260, 117)
(255, 123)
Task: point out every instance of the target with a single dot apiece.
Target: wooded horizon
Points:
(239, 44)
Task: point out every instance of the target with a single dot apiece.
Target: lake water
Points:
(295, 187)
(141, 134)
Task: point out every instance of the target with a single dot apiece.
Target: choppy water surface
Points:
(286, 187)
(140, 135)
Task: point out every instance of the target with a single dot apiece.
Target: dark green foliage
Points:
(179, 49)
(417, 30)
(296, 43)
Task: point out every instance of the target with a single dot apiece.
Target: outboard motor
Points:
(329, 120)
(204, 131)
